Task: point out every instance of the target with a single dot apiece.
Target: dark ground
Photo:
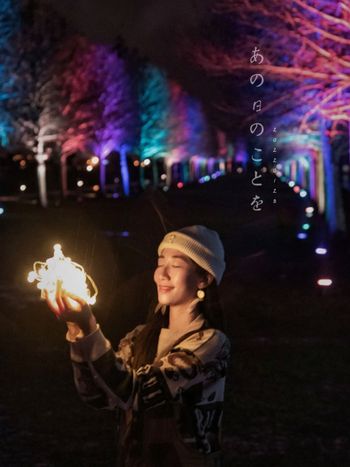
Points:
(288, 390)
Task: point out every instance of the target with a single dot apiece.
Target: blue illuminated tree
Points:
(154, 103)
(9, 26)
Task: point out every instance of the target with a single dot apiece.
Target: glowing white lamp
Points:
(61, 268)
(324, 282)
(321, 251)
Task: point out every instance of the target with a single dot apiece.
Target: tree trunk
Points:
(41, 173)
(124, 170)
(334, 206)
(64, 180)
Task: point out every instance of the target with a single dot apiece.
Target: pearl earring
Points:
(200, 294)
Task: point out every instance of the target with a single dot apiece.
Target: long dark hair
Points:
(145, 346)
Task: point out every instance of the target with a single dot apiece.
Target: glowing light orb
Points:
(146, 162)
(61, 268)
(180, 185)
(2, 210)
(23, 187)
(239, 170)
(163, 177)
(80, 183)
(296, 189)
(321, 251)
(89, 168)
(95, 160)
(96, 188)
(306, 226)
(136, 163)
(291, 183)
(309, 210)
(303, 193)
(325, 282)
(302, 235)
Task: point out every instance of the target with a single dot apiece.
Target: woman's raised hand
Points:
(72, 309)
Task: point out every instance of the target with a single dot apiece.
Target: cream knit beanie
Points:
(199, 243)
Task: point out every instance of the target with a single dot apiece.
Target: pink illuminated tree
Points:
(100, 112)
(306, 61)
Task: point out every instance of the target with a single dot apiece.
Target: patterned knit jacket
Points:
(184, 387)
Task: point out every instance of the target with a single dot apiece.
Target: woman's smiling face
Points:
(176, 277)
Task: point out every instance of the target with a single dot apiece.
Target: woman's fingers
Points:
(70, 303)
(76, 298)
(59, 299)
(52, 304)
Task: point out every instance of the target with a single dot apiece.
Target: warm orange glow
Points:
(60, 268)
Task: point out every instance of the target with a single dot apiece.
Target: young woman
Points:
(168, 375)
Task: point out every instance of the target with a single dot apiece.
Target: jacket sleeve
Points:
(95, 350)
(107, 378)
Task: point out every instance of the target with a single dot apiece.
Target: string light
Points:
(80, 183)
(291, 183)
(303, 193)
(23, 187)
(321, 251)
(2, 210)
(302, 235)
(306, 226)
(180, 185)
(309, 210)
(89, 168)
(61, 268)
